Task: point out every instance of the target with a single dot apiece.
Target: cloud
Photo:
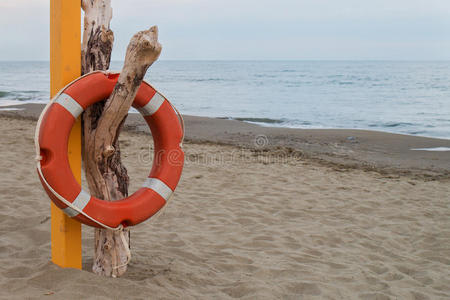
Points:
(24, 30)
(250, 29)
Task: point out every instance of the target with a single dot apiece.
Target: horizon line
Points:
(280, 60)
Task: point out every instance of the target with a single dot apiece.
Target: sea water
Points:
(407, 97)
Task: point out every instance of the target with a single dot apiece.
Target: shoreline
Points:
(342, 148)
(258, 121)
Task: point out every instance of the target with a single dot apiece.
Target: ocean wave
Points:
(209, 80)
(265, 76)
(391, 124)
(28, 92)
(416, 132)
(286, 123)
(24, 96)
(260, 120)
(4, 94)
(338, 82)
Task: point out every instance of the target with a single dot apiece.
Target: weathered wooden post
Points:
(102, 122)
(65, 66)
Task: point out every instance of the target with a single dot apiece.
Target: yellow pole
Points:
(65, 66)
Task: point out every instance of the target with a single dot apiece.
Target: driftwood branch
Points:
(98, 39)
(106, 176)
(142, 51)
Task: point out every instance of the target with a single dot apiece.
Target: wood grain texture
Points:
(106, 176)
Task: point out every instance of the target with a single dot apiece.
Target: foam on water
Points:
(437, 149)
(10, 108)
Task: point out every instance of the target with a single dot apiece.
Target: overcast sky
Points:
(253, 29)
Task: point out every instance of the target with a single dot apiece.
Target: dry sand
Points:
(256, 224)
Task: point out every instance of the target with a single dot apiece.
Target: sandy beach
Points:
(260, 213)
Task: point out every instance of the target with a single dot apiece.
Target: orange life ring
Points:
(52, 136)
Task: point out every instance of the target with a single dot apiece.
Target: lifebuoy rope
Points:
(38, 159)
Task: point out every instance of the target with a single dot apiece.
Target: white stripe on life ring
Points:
(69, 104)
(80, 202)
(152, 106)
(158, 186)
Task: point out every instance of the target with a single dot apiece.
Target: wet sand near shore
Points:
(345, 148)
